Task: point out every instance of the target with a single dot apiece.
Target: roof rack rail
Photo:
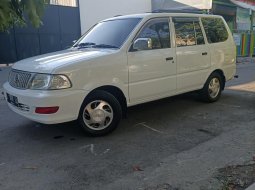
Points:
(197, 11)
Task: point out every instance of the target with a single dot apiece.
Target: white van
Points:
(121, 62)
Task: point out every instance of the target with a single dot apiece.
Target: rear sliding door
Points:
(192, 54)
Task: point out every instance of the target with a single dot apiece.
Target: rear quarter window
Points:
(215, 30)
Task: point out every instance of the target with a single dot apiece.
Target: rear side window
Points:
(215, 30)
(188, 32)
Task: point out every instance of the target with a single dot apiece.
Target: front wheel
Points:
(100, 113)
(212, 89)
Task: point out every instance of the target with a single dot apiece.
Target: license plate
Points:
(12, 100)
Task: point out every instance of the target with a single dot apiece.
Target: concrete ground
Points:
(175, 143)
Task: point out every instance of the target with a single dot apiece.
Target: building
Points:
(93, 11)
(240, 16)
(70, 3)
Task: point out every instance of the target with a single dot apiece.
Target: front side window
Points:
(158, 31)
(108, 34)
(188, 32)
(215, 30)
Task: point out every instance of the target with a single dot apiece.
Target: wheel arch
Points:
(116, 92)
(221, 73)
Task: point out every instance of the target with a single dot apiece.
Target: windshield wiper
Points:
(104, 46)
(85, 45)
(94, 45)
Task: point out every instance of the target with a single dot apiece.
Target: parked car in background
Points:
(121, 62)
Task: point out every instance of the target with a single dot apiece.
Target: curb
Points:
(6, 65)
(252, 187)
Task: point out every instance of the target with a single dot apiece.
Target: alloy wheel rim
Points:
(214, 87)
(98, 115)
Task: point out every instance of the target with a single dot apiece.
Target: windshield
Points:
(108, 34)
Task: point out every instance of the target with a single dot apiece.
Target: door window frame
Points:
(130, 49)
(201, 27)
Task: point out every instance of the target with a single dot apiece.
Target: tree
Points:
(12, 12)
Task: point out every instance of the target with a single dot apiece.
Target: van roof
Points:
(153, 15)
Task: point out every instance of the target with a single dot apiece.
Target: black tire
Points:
(113, 107)
(207, 95)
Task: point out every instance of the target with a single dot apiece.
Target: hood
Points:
(47, 63)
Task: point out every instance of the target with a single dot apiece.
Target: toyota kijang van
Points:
(121, 62)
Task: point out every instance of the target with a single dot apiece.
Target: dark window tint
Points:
(215, 30)
(158, 31)
(188, 32)
(112, 33)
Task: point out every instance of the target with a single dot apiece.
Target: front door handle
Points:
(204, 53)
(169, 59)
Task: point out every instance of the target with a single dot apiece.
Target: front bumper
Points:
(69, 102)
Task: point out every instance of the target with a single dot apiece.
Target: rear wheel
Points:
(212, 89)
(100, 113)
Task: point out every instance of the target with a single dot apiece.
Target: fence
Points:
(61, 25)
(245, 41)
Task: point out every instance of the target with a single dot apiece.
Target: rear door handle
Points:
(204, 53)
(169, 59)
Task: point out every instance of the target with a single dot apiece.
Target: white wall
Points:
(181, 4)
(92, 11)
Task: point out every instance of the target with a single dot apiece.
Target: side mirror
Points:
(142, 44)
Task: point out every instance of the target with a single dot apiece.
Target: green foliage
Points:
(12, 12)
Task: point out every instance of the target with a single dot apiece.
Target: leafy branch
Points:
(12, 12)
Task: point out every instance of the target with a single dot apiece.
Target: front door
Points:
(152, 72)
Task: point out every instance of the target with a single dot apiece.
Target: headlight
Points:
(49, 82)
(40, 81)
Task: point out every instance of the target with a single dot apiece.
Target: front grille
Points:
(19, 79)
